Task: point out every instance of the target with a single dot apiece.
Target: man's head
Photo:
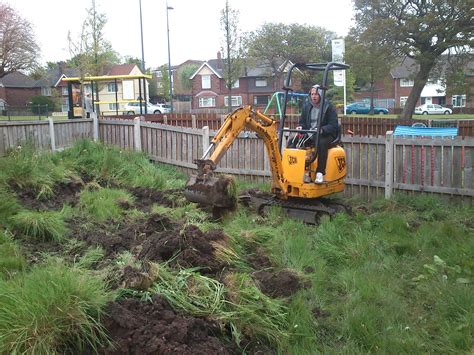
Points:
(315, 94)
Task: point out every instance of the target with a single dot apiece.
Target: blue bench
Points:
(425, 131)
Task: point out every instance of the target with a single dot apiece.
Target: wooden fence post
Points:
(165, 119)
(223, 119)
(137, 134)
(51, 134)
(193, 121)
(95, 126)
(205, 139)
(389, 164)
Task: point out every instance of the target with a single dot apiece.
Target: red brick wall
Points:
(20, 96)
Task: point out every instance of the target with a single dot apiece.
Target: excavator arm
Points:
(219, 191)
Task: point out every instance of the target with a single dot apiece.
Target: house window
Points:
(235, 85)
(459, 100)
(404, 83)
(64, 107)
(111, 87)
(261, 99)
(261, 82)
(159, 85)
(206, 81)
(236, 100)
(113, 106)
(159, 74)
(403, 100)
(46, 91)
(207, 102)
(64, 91)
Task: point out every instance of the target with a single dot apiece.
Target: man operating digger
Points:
(327, 130)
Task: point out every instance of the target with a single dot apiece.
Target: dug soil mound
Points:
(138, 327)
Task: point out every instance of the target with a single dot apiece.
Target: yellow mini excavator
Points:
(299, 199)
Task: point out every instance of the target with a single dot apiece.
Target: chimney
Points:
(219, 60)
(61, 67)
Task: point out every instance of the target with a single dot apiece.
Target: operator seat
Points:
(336, 140)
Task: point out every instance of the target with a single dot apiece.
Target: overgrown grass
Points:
(51, 309)
(103, 204)
(25, 168)
(11, 259)
(42, 225)
(112, 166)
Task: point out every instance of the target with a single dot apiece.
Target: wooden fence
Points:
(358, 125)
(377, 166)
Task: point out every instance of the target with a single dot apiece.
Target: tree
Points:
(91, 52)
(420, 29)
(369, 60)
(273, 43)
(232, 54)
(18, 48)
(184, 75)
(165, 81)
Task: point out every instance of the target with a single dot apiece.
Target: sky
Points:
(194, 25)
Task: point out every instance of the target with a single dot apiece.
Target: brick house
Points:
(393, 91)
(254, 87)
(17, 89)
(52, 84)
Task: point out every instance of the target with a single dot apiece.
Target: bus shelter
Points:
(106, 90)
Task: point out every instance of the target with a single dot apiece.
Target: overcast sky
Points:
(195, 31)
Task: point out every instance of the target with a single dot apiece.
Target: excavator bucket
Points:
(209, 190)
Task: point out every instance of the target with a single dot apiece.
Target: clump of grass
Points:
(254, 314)
(25, 167)
(190, 292)
(51, 308)
(188, 213)
(104, 204)
(9, 205)
(42, 225)
(90, 257)
(11, 259)
(113, 166)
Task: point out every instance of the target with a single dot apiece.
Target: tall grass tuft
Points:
(113, 166)
(51, 309)
(104, 204)
(24, 167)
(42, 225)
(9, 205)
(11, 259)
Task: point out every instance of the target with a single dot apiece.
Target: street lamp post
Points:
(169, 56)
(143, 61)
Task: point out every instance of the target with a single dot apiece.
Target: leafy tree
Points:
(420, 29)
(133, 60)
(165, 81)
(92, 53)
(42, 104)
(273, 43)
(18, 48)
(184, 75)
(369, 60)
(232, 54)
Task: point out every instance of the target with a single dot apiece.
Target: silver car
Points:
(133, 108)
(432, 109)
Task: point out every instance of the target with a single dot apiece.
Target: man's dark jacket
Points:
(329, 123)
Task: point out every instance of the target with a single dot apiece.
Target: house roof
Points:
(121, 69)
(258, 70)
(53, 76)
(406, 68)
(17, 80)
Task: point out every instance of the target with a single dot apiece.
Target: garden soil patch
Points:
(140, 327)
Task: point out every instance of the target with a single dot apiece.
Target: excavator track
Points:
(308, 211)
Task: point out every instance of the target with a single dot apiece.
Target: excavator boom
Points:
(207, 188)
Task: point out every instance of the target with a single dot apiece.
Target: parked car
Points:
(432, 109)
(133, 108)
(363, 107)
